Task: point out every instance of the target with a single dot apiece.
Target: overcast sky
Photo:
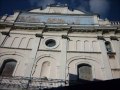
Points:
(105, 8)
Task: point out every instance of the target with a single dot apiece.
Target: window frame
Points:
(83, 64)
(4, 65)
(108, 46)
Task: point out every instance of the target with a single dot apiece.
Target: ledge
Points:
(116, 69)
(15, 48)
(114, 38)
(52, 50)
(111, 54)
(6, 33)
(39, 35)
(100, 38)
(84, 52)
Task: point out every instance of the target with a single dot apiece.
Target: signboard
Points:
(56, 19)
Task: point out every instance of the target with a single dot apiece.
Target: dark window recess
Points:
(50, 43)
(84, 72)
(8, 67)
(108, 46)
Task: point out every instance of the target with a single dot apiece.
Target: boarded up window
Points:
(84, 72)
(45, 71)
(8, 67)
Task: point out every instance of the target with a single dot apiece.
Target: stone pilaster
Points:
(63, 57)
(116, 49)
(31, 57)
(107, 68)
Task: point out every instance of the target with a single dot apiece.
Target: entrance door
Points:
(84, 72)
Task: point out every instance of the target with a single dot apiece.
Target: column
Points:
(107, 68)
(32, 57)
(116, 48)
(63, 58)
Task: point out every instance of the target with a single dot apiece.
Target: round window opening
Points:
(50, 43)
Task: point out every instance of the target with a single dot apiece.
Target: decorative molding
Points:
(111, 54)
(2, 26)
(52, 50)
(16, 48)
(39, 35)
(5, 33)
(96, 60)
(114, 38)
(84, 52)
(116, 69)
(65, 37)
(100, 38)
(53, 47)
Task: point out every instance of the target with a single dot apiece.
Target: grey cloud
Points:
(99, 6)
(42, 3)
(96, 6)
(84, 4)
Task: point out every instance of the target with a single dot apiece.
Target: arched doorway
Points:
(84, 72)
(8, 67)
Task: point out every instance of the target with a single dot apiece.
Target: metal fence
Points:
(30, 83)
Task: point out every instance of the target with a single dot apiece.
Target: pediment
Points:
(59, 10)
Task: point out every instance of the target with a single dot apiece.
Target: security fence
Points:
(21, 83)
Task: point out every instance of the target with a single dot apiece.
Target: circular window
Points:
(50, 43)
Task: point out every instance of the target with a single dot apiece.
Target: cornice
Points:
(64, 27)
(114, 38)
(88, 14)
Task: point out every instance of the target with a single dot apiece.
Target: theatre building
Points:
(44, 48)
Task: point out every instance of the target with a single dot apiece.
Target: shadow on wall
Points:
(99, 85)
(74, 80)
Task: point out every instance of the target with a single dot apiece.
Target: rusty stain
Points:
(28, 19)
(55, 20)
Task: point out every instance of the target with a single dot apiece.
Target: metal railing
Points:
(115, 22)
(33, 83)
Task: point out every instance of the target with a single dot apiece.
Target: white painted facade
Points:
(83, 44)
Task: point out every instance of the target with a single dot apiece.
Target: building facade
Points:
(57, 43)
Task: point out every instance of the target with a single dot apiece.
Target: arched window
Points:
(30, 42)
(84, 72)
(45, 70)
(22, 43)
(86, 46)
(15, 42)
(108, 46)
(95, 46)
(8, 67)
(79, 45)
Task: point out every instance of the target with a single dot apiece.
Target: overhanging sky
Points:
(106, 8)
